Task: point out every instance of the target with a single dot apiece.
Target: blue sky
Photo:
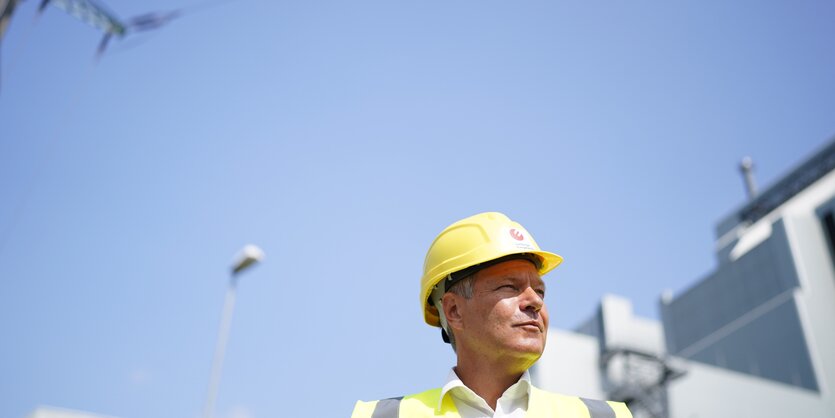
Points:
(341, 137)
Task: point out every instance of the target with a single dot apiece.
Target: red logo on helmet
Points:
(516, 234)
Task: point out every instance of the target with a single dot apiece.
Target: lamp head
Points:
(248, 256)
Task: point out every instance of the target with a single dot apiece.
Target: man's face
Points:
(506, 317)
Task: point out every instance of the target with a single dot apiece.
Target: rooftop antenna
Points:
(746, 166)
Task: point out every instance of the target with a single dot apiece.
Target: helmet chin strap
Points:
(437, 297)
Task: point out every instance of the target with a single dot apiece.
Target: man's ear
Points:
(453, 310)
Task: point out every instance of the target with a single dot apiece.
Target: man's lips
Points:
(530, 325)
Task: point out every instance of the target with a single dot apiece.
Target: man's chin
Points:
(531, 349)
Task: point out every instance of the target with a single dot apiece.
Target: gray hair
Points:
(463, 288)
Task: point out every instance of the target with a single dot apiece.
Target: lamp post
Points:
(247, 257)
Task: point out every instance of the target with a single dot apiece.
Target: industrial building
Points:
(756, 337)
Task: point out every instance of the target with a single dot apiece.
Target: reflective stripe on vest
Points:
(542, 404)
(598, 409)
(387, 408)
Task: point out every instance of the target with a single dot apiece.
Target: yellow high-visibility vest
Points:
(541, 404)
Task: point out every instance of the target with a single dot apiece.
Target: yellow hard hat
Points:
(473, 241)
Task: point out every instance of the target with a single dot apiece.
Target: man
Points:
(482, 286)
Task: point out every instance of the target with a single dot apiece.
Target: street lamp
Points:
(247, 257)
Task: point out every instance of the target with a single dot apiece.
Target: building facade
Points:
(756, 337)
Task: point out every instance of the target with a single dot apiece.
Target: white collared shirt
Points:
(512, 404)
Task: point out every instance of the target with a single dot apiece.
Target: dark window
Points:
(829, 226)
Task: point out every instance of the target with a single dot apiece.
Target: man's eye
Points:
(507, 286)
(541, 293)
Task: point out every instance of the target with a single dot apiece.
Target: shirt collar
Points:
(453, 381)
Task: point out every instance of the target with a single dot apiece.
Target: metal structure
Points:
(746, 166)
(639, 380)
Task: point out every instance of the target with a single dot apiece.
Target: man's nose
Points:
(532, 301)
